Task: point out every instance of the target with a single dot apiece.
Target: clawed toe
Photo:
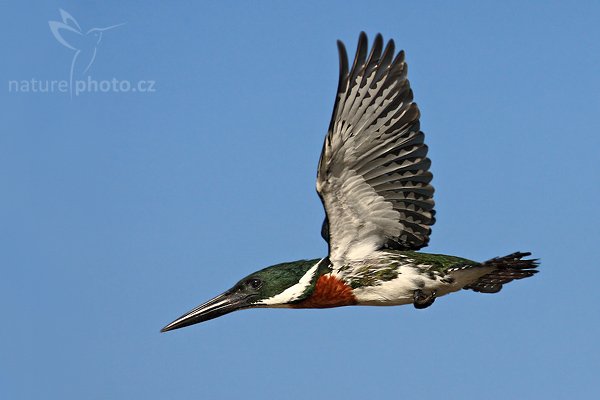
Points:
(421, 300)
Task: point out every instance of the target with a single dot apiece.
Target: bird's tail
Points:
(505, 270)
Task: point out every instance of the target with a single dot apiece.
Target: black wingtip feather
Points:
(343, 55)
(343, 80)
(360, 57)
(375, 54)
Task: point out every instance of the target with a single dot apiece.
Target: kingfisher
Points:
(374, 181)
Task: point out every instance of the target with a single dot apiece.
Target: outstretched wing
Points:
(373, 175)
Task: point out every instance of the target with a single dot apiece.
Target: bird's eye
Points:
(254, 283)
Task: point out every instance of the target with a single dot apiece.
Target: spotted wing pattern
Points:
(373, 174)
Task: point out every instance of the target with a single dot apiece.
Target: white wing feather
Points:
(373, 175)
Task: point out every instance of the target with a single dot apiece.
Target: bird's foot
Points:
(421, 300)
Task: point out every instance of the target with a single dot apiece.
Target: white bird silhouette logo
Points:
(69, 34)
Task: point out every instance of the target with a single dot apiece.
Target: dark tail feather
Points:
(506, 269)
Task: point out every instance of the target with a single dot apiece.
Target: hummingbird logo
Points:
(85, 44)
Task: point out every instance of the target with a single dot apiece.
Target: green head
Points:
(276, 286)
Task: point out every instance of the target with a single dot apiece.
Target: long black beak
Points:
(223, 304)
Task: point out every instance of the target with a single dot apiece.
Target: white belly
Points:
(401, 289)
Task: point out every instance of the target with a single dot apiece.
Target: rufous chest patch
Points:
(329, 292)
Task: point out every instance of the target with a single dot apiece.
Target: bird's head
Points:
(277, 286)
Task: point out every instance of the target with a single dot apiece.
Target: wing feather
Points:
(373, 175)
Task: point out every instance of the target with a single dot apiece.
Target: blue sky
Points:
(122, 210)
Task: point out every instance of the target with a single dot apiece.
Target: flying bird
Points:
(374, 182)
